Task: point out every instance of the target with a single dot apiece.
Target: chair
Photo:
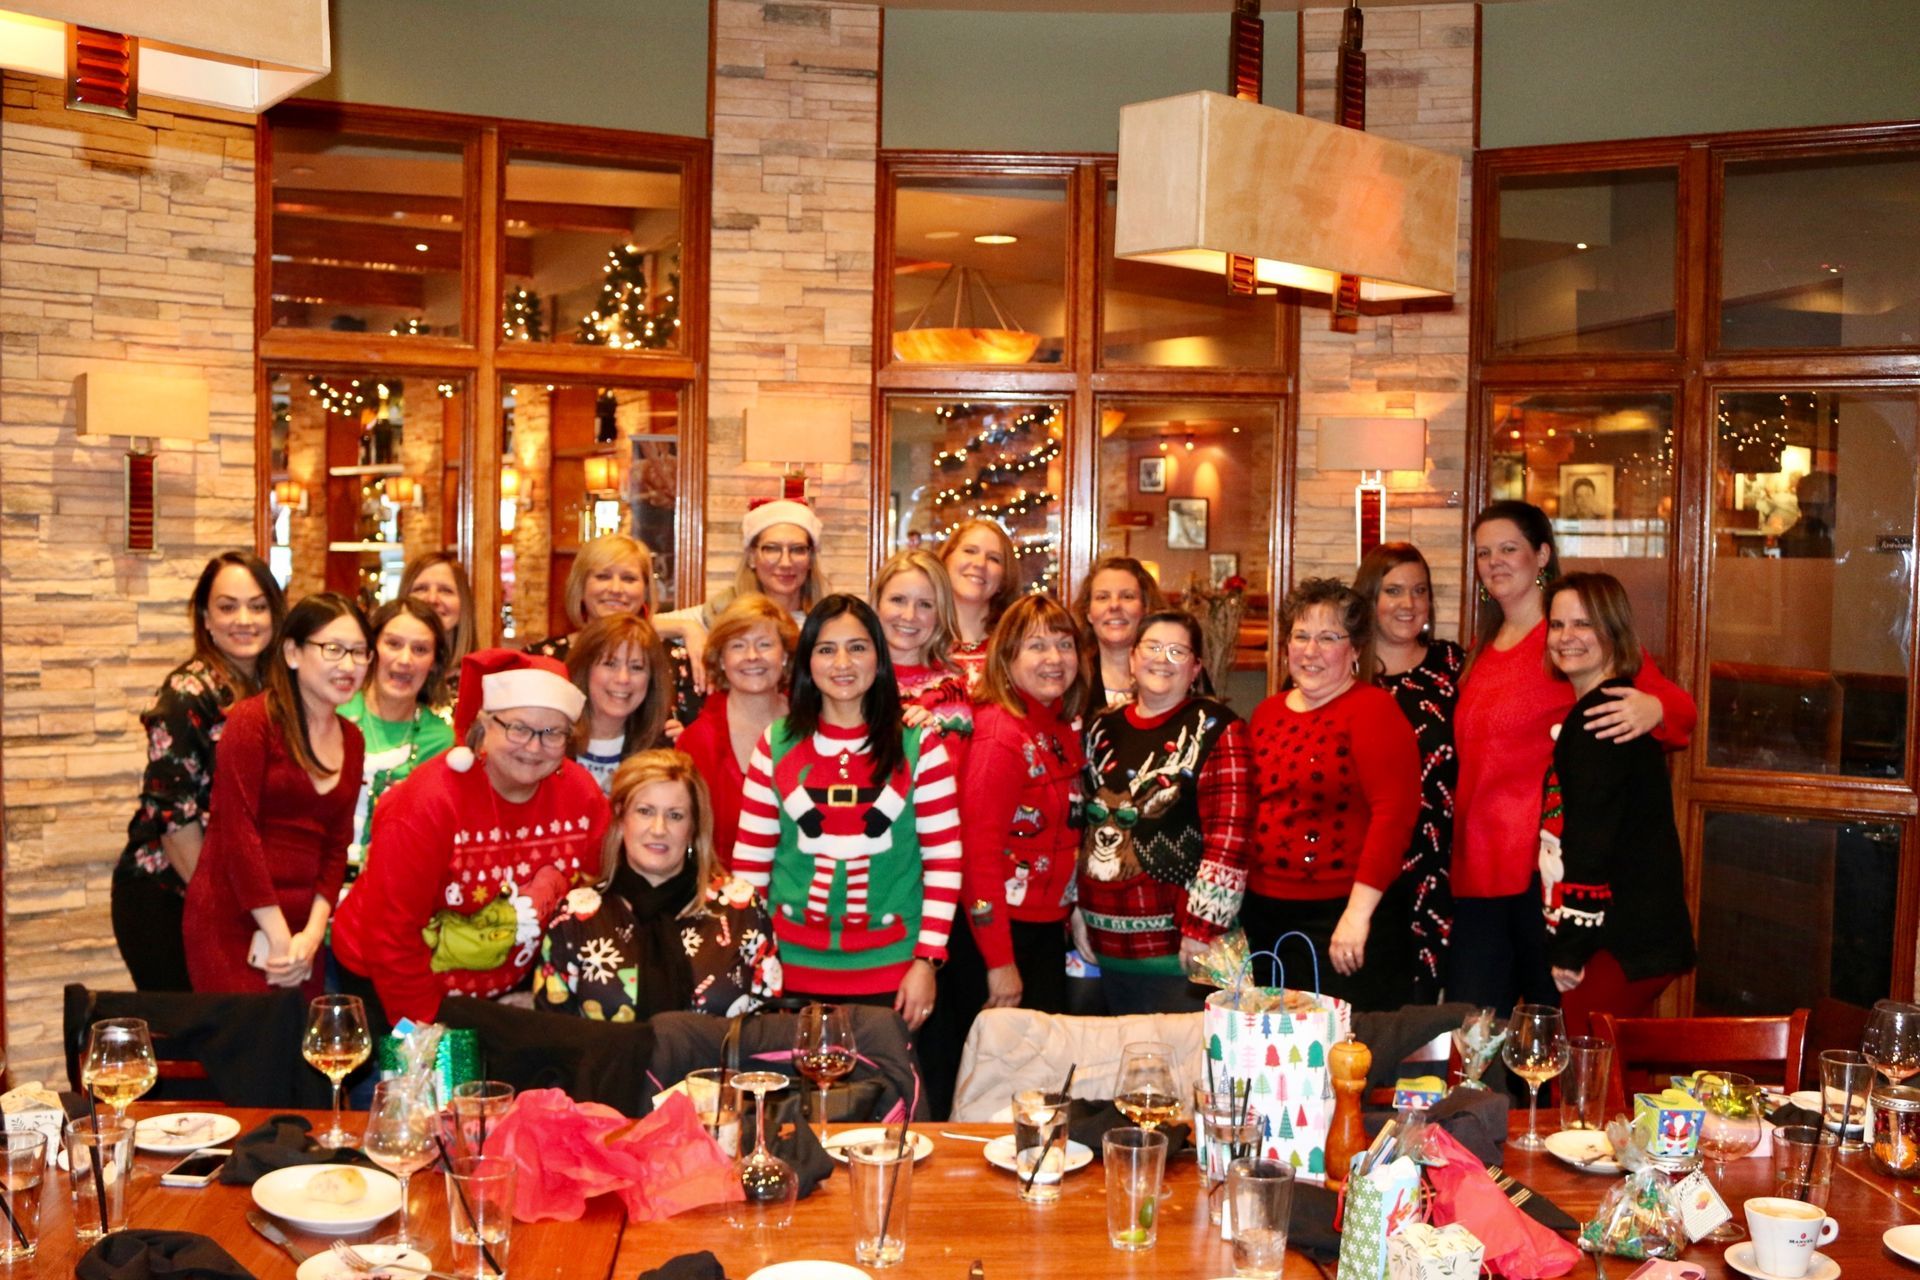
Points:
(1834, 1024)
(1648, 1050)
(239, 1050)
(1009, 1048)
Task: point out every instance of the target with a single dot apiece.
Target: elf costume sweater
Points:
(861, 874)
(1021, 793)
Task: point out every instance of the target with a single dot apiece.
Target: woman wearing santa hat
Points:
(780, 544)
(468, 863)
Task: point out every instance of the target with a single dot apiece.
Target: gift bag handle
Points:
(1279, 967)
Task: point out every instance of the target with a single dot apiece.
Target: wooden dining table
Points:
(960, 1210)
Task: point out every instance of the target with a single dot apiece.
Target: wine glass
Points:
(823, 1050)
(1145, 1092)
(336, 1041)
(770, 1183)
(1536, 1051)
(120, 1065)
(1891, 1041)
(1730, 1127)
(403, 1126)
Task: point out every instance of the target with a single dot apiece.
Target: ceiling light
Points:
(1189, 444)
(301, 171)
(421, 247)
(1580, 244)
(1163, 446)
(943, 235)
(996, 237)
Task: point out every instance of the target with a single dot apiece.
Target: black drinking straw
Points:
(893, 1181)
(6, 1202)
(466, 1207)
(1046, 1149)
(93, 1156)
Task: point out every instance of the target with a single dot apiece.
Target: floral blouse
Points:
(588, 959)
(183, 722)
(1427, 694)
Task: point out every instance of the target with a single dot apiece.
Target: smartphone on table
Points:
(196, 1169)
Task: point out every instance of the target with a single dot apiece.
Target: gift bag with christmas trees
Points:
(1275, 1039)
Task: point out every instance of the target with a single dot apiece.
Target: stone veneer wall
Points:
(128, 245)
(1420, 90)
(796, 127)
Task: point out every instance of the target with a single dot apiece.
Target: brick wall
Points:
(1419, 90)
(129, 245)
(795, 88)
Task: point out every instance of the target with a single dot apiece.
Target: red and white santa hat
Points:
(501, 680)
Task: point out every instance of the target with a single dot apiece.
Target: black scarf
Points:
(664, 983)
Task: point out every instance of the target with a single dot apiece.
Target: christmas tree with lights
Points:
(625, 316)
(521, 317)
(998, 471)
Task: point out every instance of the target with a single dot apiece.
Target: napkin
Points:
(1787, 1113)
(793, 1140)
(688, 1266)
(158, 1255)
(279, 1143)
(1088, 1120)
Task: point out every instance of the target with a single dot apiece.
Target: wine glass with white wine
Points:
(1891, 1040)
(1145, 1092)
(337, 1040)
(1536, 1051)
(119, 1066)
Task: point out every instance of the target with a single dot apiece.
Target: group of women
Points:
(765, 794)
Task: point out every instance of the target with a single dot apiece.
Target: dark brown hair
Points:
(1028, 616)
(285, 708)
(1382, 560)
(1611, 613)
(433, 689)
(1538, 532)
(1352, 612)
(608, 635)
(460, 640)
(202, 599)
(1152, 599)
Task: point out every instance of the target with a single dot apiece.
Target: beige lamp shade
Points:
(1203, 176)
(788, 428)
(109, 403)
(1372, 444)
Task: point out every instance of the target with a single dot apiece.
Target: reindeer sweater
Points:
(1019, 792)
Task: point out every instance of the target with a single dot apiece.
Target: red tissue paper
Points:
(1465, 1193)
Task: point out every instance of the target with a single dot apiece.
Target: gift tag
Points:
(1701, 1208)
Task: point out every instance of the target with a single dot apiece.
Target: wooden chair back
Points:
(1646, 1051)
(1438, 1057)
(182, 1078)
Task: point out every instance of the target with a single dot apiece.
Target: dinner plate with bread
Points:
(335, 1198)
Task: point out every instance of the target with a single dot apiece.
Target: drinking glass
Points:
(1892, 1039)
(1536, 1051)
(475, 1109)
(1227, 1129)
(120, 1065)
(823, 1050)
(1730, 1127)
(1583, 1089)
(24, 1157)
(99, 1166)
(1803, 1163)
(770, 1183)
(1846, 1078)
(880, 1178)
(480, 1214)
(336, 1041)
(1135, 1159)
(402, 1126)
(1145, 1092)
(716, 1101)
(1260, 1193)
(1039, 1144)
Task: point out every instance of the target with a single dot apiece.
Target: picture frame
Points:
(1152, 477)
(1586, 491)
(1222, 565)
(1186, 524)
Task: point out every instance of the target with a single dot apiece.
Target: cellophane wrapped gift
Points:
(1380, 1203)
(1640, 1216)
(1422, 1251)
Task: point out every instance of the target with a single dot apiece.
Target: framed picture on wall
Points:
(1186, 524)
(1586, 491)
(1222, 565)
(1153, 475)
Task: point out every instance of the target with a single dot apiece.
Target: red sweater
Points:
(709, 742)
(1336, 792)
(1503, 731)
(1018, 789)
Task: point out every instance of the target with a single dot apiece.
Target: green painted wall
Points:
(1000, 81)
(1582, 70)
(620, 64)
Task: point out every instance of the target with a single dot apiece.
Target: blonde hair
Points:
(743, 615)
(747, 581)
(920, 560)
(603, 552)
(1030, 615)
(1009, 581)
(648, 767)
(609, 635)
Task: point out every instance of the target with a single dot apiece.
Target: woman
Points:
(914, 601)
(1610, 865)
(1111, 601)
(1503, 730)
(780, 559)
(437, 580)
(469, 863)
(1336, 781)
(614, 661)
(235, 608)
(984, 567)
(282, 818)
(394, 711)
(849, 825)
(1163, 860)
(748, 651)
(671, 931)
(1423, 675)
(613, 576)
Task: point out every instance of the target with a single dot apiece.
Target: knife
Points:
(271, 1230)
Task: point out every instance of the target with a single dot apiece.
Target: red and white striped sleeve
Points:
(936, 815)
(759, 820)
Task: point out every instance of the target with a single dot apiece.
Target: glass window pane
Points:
(1811, 598)
(366, 476)
(953, 460)
(593, 253)
(979, 270)
(1187, 488)
(1822, 892)
(1821, 253)
(1602, 466)
(579, 461)
(367, 233)
(1585, 262)
(1172, 318)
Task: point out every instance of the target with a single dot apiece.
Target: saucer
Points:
(1740, 1258)
(1585, 1149)
(1904, 1241)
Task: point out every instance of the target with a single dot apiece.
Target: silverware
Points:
(963, 1137)
(364, 1265)
(271, 1230)
(976, 1271)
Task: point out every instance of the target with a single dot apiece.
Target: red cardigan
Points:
(709, 742)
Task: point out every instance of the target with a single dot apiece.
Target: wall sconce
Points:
(290, 495)
(404, 491)
(602, 473)
(1371, 446)
(109, 404)
(796, 430)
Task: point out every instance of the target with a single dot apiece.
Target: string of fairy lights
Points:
(1004, 453)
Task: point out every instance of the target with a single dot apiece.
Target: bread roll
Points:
(337, 1186)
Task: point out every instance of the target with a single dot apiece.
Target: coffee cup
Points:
(1786, 1233)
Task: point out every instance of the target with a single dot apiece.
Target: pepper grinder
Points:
(1347, 1062)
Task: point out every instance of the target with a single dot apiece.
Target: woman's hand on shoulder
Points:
(915, 716)
(1627, 714)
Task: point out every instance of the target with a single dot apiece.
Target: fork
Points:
(360, 1264)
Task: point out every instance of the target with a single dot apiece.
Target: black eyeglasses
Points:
(522, 734)
(333, 651)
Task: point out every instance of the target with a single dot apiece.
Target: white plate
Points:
(1740, 1258)
(324, 1266)
(999, 1154)
(1807, 1100)
(181, 1132)
(838, 1143)
(1904, 1241)
(1580, 1147)
(809, 1271)
(283, 1193)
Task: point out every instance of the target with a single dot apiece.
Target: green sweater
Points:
(394, 749)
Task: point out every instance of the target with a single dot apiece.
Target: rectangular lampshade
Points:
(1372, 444)
(140, 406)
(1203, 175)
(789, 428)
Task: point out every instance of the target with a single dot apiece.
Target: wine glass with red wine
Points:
(823, 1050)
